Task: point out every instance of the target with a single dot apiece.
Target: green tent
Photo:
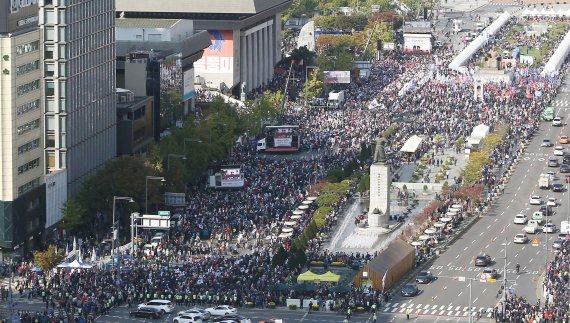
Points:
(329, 277)
(307, 276)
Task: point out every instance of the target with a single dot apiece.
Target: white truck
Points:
(532, 226)
(544, 181)
(565, 227)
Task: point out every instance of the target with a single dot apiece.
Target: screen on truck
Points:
(282, 138)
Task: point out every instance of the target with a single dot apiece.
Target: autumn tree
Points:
(47, 259)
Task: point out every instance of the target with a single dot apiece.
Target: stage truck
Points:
(226, 176)
(280, 139)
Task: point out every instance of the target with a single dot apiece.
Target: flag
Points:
(293, 62)
(66, 249)
(301, 62)
(384, 280)
(74, 244)
(93, 255)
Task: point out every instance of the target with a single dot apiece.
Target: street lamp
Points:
(115, 198)
(198, 141)
(146, 189)
(183, 157)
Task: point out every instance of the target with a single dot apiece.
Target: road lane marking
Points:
(457, 308)
(480, 234)
(465, 248)
(472, 242)
(530, 260)
(487, 246)
(516, 255)
(484, 290)
(434, 307)
(433, 312)
(426, 307)
(475, 300)
(441, 307)
(387, 304)
(439, 273)
(459, 294)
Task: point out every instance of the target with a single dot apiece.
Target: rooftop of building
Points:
(145, 23)
(417, 27)
(135, 103)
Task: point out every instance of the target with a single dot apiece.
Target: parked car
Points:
(410, 290)
(221, 310)
(557, 244)
(188, 318)
(490, 273)
(146, 312)
(160, 304)
(204, 315)
(546, 143)
(231, 318)
(564, 168)
(483, 260)
(520, 219)
(535, 200)
(552, 202)
(424, 277)
(521, 238)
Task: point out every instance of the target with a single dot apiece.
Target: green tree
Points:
(171, 108)
(314, 87)
(74, 216)
(47, 259)
(265, 109)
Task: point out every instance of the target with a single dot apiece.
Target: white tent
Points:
(74, 264)
(559, 56)
(480, 131)
(412, 144)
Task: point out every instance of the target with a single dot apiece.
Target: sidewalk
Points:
(406, 170)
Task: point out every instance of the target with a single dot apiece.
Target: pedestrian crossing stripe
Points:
(504, 4)
(560, 103)
(441, 310)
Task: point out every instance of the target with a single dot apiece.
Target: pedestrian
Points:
(408, 312)
(374, 317)
(310, 306)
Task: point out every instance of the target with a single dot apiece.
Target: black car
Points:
(424, 277)
(483, 260)
(546, 210)
(147, 312)
(564, 168)
(557, 187)
(410, 290)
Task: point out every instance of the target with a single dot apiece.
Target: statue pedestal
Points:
(379, 195)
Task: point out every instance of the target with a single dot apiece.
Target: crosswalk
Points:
(438, 310)
(504, 4)
(560, 103)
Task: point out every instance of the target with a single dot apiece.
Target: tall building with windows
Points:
(79, 81)
(22, 189)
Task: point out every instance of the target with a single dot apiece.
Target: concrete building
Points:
(245, 35)
(417, 37)
(22, 190)
(134, 122)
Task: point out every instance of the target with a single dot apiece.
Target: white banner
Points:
(282, 141)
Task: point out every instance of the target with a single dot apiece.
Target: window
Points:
(50, 159)
(28, 87)
(27, 48)
(49, 17)
(49, 34)
(50, 141)
(50, 88)
(62, 53)
(48, 54)
(29, 166)
(62, 70)
(61, 31)
(139, 113)
(62, 126)
(62, 89)
(49, 70)
(27, 107)
(29, 146)
(28, 67)
(62, 159)
(62, 105)
(61, 13)
(62, 142)
(27, 127)
(29, 186)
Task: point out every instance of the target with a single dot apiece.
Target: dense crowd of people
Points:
(197, 265)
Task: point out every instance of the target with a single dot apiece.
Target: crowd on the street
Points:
(196, 265)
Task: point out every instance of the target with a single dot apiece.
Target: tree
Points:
(74, 216)
(265, 109)
(280, 257)
(47, 259)
(314, 87)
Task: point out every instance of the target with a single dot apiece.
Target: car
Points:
(549, 228)
(552, 202)
(146, 312)
(558, 151)
(221, 310)
(162, 305)
(557, 122)
(564, 168)
(424, 277)
(520, 219)
(563, 236)
(537, 216)
(557, 187)
(520, 238)
(546, 210)
(535, 200)
(552, 161)
(188, 318)
(546, 143)
(557, 244)
(564, 139)
(410, 290)
(204, 315)
(483, 260)
(490, 273)
(231, 318)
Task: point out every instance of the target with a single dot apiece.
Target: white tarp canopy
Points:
(478, 42)
(559, 56)
(412, 144)
(480, 131)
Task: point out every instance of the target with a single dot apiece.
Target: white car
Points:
(558, 151)
(535, 200)
(521, 238)
(552, 202)
(557, 121)
(162, 305)
(221, 310)
(520, 219)
(204, 315)
(549, 227)
(188, 318)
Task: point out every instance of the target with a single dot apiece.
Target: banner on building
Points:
(336, 77)
(189, 91)
(219, 57)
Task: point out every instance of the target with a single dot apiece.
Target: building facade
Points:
(22, 194)
(134, 122)
(79, 82)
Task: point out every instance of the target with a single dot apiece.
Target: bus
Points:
(548, 114)
(286, 138)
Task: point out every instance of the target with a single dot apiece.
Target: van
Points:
(553, 161)
(156, 240)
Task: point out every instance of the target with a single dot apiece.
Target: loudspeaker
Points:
(425, 13)
(379, 44)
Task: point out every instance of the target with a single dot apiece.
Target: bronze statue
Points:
(380, 153)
